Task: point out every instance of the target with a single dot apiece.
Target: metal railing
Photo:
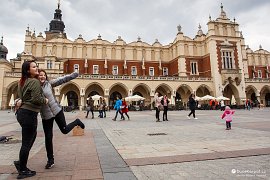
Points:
(122, 77)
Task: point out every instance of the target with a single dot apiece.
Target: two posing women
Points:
(37, 96)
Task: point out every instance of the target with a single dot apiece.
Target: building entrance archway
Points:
(229, 91)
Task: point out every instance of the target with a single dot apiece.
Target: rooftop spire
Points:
(1, 41)
(222, 13)
(57, 25)
(58, 4)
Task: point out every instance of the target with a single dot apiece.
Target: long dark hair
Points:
(25, 71)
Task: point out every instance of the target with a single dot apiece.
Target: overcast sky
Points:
(149, 19)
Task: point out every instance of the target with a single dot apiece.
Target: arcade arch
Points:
(11, 89)
(93, 89)
(182, 94)
(72, 92)
(144, 91)
(251, 93)
(204, 90)
(231, 90)
(164, 89)
(265, 96)
(119, 90)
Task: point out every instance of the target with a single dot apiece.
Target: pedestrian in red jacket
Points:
(125, 109)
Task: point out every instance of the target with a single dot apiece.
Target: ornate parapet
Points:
(231, 75)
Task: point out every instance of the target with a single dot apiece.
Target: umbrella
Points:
(96, 97)
(11, 101)
(197, 98)
(62, 100)
(233, 101)
(136, 98)
(207, 97)
(66, 101)
(129, 98)
(219, 98)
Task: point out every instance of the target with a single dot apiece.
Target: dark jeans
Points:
(157, 113)
(125, 114)
(165, 117)
(192, 111)
(117, 113)
(91, 112)
(104, 112)
(100, 113)
(28, 122)
(48, 130)
(228, 125)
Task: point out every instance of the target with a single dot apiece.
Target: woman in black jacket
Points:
(192, 106)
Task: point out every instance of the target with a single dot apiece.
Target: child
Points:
(227, 115)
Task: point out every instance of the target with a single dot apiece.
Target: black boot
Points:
(17, 165)
(25, 174)
(49, 164)
(79, 123)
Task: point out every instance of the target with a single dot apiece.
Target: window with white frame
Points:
(259, 74)
(95, 69)
(76, 68)
(165, 71)
(227, 60)
(194, 68)
(151, 71)
(49, 64)
(133, 70)
(115, 70)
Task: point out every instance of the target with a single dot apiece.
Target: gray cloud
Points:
(149, 19)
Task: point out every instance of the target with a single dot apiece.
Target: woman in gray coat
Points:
(53, 111)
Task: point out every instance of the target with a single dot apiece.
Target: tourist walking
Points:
(104, 107)
(124, 109)
(89, 107)
(32, 98)
(192, 106)
(165, 102)
(227, 115)
(100, 107)
(117, 107)
(157, 103)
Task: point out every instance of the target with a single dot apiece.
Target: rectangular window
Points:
(227, 60)
(133, 70)
(151, 71)
(95, 69)
(165, 71)
(194, 68)
(76, 68)
(115, 70)
(259, 74)
(49, 64)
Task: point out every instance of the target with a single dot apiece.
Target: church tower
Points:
(57, 26)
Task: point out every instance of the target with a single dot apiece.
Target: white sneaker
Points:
(195, 118)
(188, 117)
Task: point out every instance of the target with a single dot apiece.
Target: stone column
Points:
(82, 103)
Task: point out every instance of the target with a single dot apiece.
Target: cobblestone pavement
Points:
(180, 148)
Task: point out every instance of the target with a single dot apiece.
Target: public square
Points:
(141, 148)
